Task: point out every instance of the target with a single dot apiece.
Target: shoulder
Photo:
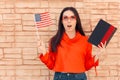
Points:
(85, 39)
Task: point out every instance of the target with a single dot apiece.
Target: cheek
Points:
(64, 24)
(74, 23)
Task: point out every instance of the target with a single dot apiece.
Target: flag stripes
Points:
(43, 20)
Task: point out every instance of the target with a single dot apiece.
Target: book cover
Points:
(102, 32)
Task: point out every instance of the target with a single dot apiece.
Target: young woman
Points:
(69, 54)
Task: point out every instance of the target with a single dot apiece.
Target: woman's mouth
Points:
(69, 26)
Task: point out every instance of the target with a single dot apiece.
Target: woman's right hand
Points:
(41, 47)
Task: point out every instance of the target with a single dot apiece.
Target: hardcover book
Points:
(102, 32)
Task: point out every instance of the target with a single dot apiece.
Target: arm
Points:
(47, 57)
(89, 60)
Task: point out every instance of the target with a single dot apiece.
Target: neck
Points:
(71, 34)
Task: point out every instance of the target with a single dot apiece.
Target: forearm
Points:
(96, 58)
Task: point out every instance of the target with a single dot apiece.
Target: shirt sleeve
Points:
(48, 59)
(89, 59)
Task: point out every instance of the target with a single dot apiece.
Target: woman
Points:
(69, 52)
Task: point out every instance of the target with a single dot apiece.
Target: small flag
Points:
(102, 32)
(43, 20)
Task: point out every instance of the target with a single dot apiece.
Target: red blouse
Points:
(73, 55)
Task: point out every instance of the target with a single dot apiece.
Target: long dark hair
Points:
(55, 40)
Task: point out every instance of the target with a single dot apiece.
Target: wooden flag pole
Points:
(37, 34)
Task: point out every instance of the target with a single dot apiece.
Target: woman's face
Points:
(69, 21)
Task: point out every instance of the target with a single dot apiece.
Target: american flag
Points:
(43, 20)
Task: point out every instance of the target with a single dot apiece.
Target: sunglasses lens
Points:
(73, 17)
(65, 18)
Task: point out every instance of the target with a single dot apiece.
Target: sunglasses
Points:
(66, 18)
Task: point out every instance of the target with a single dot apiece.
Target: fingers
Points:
(99, 46)
(41, 47)
(102, 45)
(105, 43)
(40, 43)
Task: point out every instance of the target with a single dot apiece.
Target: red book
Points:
(102, 32)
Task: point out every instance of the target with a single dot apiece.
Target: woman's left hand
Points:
(102, 51)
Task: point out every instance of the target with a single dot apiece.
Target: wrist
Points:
(96, 56)
(39, 54)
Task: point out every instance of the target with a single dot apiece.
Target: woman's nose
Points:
(69, 20)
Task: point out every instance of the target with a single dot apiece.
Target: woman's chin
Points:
(70, 30)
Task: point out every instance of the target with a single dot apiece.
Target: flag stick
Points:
(37, 34)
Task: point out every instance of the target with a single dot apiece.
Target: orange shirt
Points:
(73, 55)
